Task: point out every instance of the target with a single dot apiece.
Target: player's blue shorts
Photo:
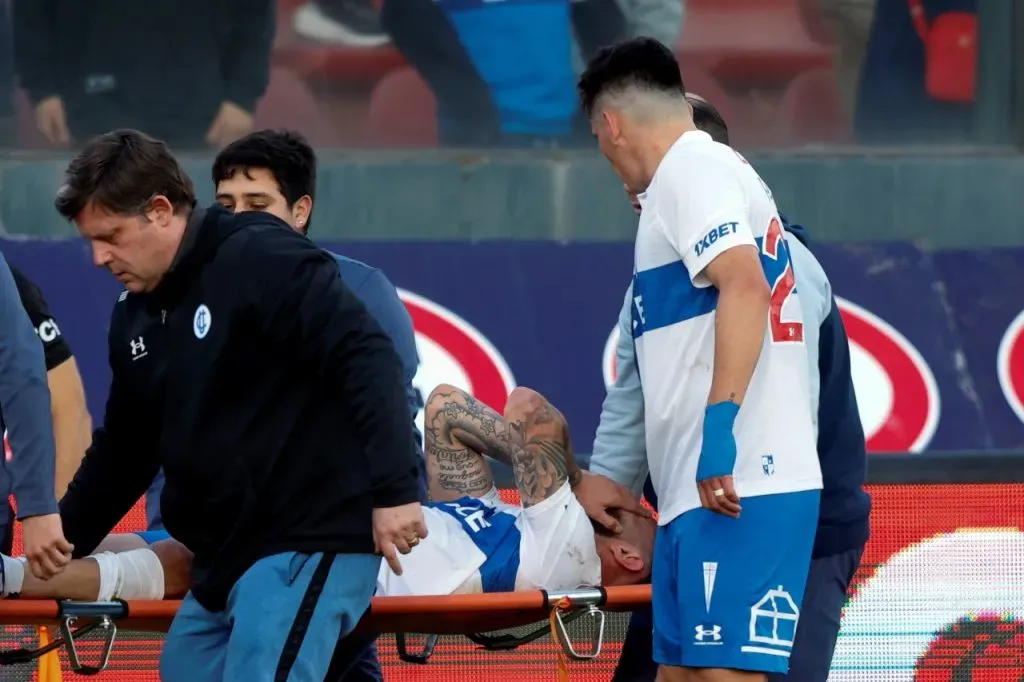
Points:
(727, 592)
(152, 536)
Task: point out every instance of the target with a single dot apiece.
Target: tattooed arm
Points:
(532, 438)
(541, 451)
(459, 431)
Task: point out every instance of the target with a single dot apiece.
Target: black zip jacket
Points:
(270, 396)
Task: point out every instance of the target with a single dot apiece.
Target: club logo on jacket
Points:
(201, 321)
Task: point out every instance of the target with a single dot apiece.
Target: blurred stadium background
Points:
(452, 158)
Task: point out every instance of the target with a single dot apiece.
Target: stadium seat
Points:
(403, 112)
(289, 103)
(747, 44)
(811, 110)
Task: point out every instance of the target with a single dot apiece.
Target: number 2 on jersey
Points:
(774, 254)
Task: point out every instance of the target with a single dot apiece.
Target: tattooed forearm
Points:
(542, 456)
(459, 430)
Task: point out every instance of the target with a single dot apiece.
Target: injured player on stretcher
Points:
(476, 542)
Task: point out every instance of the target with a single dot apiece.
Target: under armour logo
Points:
(714, 632)
(138, 348)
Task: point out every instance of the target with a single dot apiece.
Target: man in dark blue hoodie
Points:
(618, 465)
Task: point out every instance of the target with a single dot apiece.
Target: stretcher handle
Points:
(420, 658)
(561, 615)
(101, 615)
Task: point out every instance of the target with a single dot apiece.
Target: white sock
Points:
(13, 576)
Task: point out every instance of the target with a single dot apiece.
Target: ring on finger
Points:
(718, 492)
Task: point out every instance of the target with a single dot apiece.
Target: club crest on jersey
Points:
(768, 464)
(201, 321)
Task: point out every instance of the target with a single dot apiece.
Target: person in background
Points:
(28, 464)
(619, 453)
(501, 72)
(8, 114)
(851, 20)
(72, 425)
(893, 103)
(658, 19)
(187, 71)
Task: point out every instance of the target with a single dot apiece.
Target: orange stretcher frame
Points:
(465, 614)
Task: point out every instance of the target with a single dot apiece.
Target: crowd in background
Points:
(475, 73)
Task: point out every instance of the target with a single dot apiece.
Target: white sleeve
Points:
(704, 213)
(557, 550)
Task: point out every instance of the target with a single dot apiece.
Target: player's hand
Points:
(718, 459)
(52, 122)
(725, 502)
(45, 547)
(633, 201)
(231, 123)
(597, 494)
(397, 530)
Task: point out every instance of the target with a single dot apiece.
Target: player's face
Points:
(256, 189)
(136, 248)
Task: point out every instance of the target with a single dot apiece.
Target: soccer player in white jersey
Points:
(479, 544)
(723, 364)
(476, 542)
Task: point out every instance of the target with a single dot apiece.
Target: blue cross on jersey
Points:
(495, 533)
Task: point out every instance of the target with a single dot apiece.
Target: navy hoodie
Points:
(845, 505)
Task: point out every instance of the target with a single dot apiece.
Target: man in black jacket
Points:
(271, 398)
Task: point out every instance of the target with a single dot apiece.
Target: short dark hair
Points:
(707, 118)
(286, 154)
(640, 61)
(122, 171)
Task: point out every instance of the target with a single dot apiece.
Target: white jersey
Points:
(704, 199)
(481, 544)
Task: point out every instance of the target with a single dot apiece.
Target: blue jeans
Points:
(825, 595)
(283, 619)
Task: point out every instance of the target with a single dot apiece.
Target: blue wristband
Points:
(718, 448)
